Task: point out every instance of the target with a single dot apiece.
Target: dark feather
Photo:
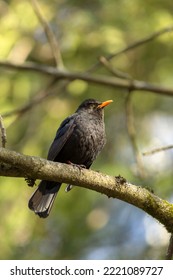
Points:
(43, 198)
(62, 135)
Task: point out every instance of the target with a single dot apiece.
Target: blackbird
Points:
(79, 140)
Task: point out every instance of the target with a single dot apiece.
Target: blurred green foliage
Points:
(84, 224)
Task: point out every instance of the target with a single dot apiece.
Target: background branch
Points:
(90, 78)
(157, 150)
(3, 132)
(117, 73)
(134, 45)
(37, 99)
(116, 187)
(132, 134)
(50, 35)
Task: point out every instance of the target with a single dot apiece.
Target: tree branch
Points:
(117, 73)
(37, 99)
(50, 35)
(134, 45)
(169, 252)
(90, 78)
(132, 134)
(3, 132)
(157, 150)
(18, 165)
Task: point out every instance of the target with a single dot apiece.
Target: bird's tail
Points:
(42, 199)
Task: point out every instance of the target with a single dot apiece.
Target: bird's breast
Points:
(85, 143)
(90, 140)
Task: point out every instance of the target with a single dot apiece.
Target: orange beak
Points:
(105, 103)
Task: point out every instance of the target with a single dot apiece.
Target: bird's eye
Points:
(91, 105)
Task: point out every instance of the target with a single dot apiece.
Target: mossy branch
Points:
(14, 164)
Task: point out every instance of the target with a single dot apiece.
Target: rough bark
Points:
(14, 164)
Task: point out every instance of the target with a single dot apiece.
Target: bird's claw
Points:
(80, 166)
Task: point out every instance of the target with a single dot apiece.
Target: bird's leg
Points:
(68, 188)
(30, 181)
(80, 166)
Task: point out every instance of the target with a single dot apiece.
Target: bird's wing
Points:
(62, 135)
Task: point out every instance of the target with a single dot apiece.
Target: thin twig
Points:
(157, 150)
(134, 45)
(140, 86)
(169, 253)
(3, 132)
(132, 133)
(50, 35)
(37, 99)
(115, 72)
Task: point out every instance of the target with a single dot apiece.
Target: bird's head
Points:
(92, 106)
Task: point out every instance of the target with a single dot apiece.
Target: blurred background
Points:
(85, 224)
